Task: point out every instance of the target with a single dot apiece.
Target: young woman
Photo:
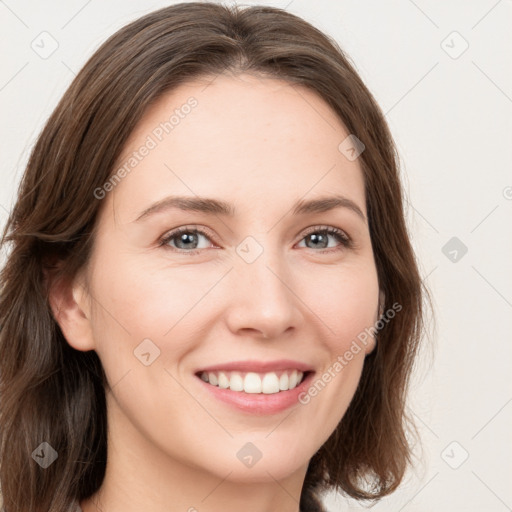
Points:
(210, 299)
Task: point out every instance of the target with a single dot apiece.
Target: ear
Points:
(70, 306)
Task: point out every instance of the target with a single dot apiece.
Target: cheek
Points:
(344, 300)
(169, 305)
(149, 302)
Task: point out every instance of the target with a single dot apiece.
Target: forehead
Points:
(244, 139)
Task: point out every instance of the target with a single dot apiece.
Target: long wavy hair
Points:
(51, 392)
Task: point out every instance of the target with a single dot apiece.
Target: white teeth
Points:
(293, 379)
(236, 382)
(270, 384)
(283, 382)
(254, 383)
(223, 380)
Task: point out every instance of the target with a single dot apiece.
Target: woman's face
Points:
(259, 291)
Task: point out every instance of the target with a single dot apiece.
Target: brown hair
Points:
(51, 392)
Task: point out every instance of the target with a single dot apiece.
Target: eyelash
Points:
(341, 236)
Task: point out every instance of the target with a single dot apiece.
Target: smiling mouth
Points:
(254, 383)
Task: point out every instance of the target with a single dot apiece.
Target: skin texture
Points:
(260, 144)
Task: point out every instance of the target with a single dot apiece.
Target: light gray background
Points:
(451, 116)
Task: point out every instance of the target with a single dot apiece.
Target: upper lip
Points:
(258, 366)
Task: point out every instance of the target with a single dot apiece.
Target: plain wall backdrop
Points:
(441, 72)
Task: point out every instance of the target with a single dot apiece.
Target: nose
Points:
(264, 301)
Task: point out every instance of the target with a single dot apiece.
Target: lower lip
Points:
(259, 403)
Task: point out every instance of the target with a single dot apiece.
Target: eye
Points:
(185, 239)
(319, 237)
(188, 239)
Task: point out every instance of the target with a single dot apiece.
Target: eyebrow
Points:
(218, 207)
